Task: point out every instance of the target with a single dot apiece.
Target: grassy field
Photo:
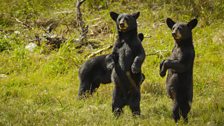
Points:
(40, 87)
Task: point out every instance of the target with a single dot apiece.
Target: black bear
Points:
(127, 57)
(179, 81)
(95, 72)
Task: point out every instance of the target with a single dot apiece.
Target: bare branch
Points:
(81, 23)
(23, 23)
(80, 2)
(99, 51)
(157, 52)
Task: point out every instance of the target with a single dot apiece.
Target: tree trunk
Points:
(83, 27)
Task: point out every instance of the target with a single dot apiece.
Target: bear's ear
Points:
(141, 36)
(114, 15)
(170, 22)
(136, 15)
(192, 23)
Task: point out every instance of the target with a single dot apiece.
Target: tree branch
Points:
(81, 23)
(99, 51)
(157, 52)
(23, 23)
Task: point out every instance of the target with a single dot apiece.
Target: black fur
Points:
(95, 72)
(180, 68)
(92, 73)
(127, 58)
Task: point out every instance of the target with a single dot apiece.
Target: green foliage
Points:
(97, 4)
(4, 45)
(40, 87)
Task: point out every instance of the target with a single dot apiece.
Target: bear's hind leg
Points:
(134, 104)
(176, 112)
(84, 88)
(93, 87)
(185, 108)
(118, 103)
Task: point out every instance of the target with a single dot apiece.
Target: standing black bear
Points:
(128, 56)
(179, 81)
(94, 72)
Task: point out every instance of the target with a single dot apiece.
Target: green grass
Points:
(40, 87)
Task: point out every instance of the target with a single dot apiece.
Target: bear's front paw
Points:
(161, 65)
(135, 69)
(110, 62)
(162, 68)
(162, 73)
(110, 66)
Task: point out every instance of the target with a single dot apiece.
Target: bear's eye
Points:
(120, 19)
(179, 28)
(126, 18)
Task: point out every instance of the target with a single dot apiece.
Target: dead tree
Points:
(83, 27)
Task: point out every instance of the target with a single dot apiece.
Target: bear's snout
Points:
(173, 34)
(176, 34)
(123, 25)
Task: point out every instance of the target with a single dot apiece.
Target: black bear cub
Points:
(127, 58)
(91, 74)
(95, 72)
(179, 81)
